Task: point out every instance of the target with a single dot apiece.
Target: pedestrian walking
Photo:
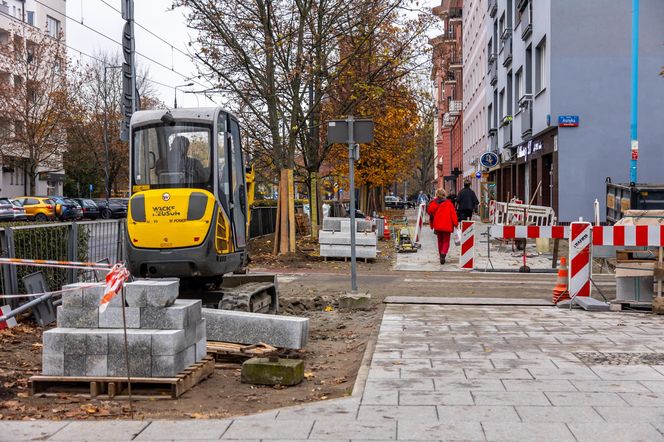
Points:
(443, 221)
(422, 198)
(466, 202)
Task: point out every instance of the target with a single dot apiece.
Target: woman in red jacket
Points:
(443, 221)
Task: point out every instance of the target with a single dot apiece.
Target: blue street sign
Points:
(91, 188)
(489, 160)
(568, 121)
(478, 175)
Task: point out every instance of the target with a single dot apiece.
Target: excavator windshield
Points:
(166, 156)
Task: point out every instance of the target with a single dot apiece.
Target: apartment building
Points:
(558, 101)
(48, 16)
(447, 78)
(475, 137)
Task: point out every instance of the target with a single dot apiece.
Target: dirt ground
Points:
(332, 357)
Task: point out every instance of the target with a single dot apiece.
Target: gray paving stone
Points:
(456, 374)
(96, 342)
(628, 373)
(92, 295)
(201, 349)
(74, 365)
(458, 397)
(72, 296)
(570, 399)
(569, 373)
(424, 384)
(643, 399)
(477, 413)
(34, 430)
(189, 355)
(329, 428)
(53, 364)
(167, 342)
(112, 317)
(92, 430)
(451, 430)
(538, 385)
(96, 365)
(75, 341)
(426, 413)
(77, 317)
(152, 292)
(380, 397)
(614, 431)
(139, 350)
(631, 414)
(184, 430)
(511, 432)
(278, 429)
(201, 330)
(558, 414)
(498, 373)
(167, 366)
(345, 409)
(611, 386)
(54, 340)
(510, 398)
(470, 384)
(253, 328)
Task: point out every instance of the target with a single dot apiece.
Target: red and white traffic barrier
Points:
(645, 236)
(511, 232)
(467, 253)
(10, 322)
(579, 259)
(492, 211)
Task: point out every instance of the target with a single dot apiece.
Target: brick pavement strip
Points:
(429, 385)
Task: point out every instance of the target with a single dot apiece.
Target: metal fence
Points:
(81, 241)
(77, 241)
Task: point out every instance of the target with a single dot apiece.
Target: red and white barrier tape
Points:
(115, 280)
(56, 264)
(467, 253)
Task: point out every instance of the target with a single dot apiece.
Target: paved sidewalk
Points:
(450, 372)
(502, 257)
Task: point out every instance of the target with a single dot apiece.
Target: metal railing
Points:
(507, 51)
(263, 221)
(507, 135)
(493, 7)
(456, 106)
(526, 121)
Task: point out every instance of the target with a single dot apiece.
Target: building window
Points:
(31, 17)
(52, 26)
(529, 69)
(518, 85)
(540, 66)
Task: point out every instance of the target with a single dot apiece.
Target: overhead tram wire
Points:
(187, 77)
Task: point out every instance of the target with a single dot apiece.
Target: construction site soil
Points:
(332, 357)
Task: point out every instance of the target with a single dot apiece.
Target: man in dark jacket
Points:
(466, 202)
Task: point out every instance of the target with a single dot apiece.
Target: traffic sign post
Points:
(353, 132)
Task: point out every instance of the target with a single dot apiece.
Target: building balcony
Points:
(507, 51)
(507, 135)
(527, 23)
(507, 32)
(493, 140)
(493, 70)
(450, 78)
(455, 62)
(493, 7)
(4, 9)
(448, 120)
(526, 117)
(456, 106)
(520, 4)
(456, 15)
(525, 100)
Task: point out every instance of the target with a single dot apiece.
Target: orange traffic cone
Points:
(560, 291)
(386, 230)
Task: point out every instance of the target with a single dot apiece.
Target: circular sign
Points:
(489, 159)
(478, 175)
(166, 196)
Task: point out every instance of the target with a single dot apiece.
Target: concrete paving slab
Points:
(174, 430)
(538, 385)
(614, 432)
(571, 399)
(36, 430)
(451, 430)
(278, 429)
(477, 413)
(558, 414)
(510, 398)
(466, 301)
(329, 428)
(91, 430)
(425, 413)
(459, 397)
(512, 432)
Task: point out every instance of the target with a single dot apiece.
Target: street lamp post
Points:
(175, 93)
(106, 153)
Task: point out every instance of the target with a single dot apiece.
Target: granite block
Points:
(200, 330)
(201, 349)
(343, 251)
(96, 365)
(167, 366)
(254, 328)
(343, 238)
(174, 317)
(190, 355)
(190, 333)
(77, 317)
(193, 308)
(92, 295)
(139, 342)
(54, 340)
(167, 342)
(152, 292)
(139, 366)
(112, 317)
(53, 364)
(96, 342)
(74, 365)
(75, 341)
(72, 295)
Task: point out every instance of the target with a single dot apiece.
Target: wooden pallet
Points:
(619, 305)
(228, 351)
(116, 387)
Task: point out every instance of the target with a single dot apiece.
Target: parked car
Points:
(394, 202)
(19, 211)
(38, 208)
(115, 208)
(89, 208)
(66, 208)
(6, 210)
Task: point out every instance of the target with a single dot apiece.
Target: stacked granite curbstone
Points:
(164, 334)
(334, 238)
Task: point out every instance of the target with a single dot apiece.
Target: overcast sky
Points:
(156, 16)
